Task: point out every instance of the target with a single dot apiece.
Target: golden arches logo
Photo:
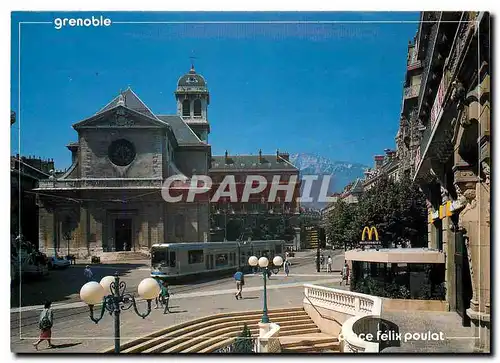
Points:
(371, 230)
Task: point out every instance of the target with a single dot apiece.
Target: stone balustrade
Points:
(269, 342)
(100, 183)
(338, 312)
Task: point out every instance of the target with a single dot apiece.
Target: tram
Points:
(170, 261)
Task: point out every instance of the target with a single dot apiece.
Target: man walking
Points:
(329, 263)
(240, 281)
(345, 273)
(322, 261)
(287, 267)
(88, 273)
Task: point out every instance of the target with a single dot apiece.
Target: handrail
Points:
(356, 304)
(321, 315)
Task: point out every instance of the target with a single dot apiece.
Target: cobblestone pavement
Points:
(74, 332)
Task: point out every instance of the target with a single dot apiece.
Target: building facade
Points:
(452, 163)
(110, 199)
(25, 173)
(256, 218)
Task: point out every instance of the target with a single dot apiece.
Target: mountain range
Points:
(342, 173)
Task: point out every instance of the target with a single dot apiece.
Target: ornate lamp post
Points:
(263, 262)
(110, 292)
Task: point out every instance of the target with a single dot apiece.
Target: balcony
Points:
(412, 91)
(111, 183)
(414, 65)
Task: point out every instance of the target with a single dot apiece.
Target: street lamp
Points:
(263, 262)
(110, 292)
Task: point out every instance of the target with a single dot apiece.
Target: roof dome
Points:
(192, 79)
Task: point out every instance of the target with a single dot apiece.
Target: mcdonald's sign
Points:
(372, 232)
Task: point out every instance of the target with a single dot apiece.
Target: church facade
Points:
(110, 199)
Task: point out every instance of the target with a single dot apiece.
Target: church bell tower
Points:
(192, 103)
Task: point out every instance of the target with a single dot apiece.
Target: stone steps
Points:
(207, 334)
(191, 328)
(310, 343)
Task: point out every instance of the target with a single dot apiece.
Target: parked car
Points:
(34, 269)
(56, 262)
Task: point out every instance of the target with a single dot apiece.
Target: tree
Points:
(244, 342)
(397, 209)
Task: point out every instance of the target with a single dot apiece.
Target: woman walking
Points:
(45, 324)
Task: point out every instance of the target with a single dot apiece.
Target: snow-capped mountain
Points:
(342, 173)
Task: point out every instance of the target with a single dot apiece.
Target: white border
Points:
(214, 5)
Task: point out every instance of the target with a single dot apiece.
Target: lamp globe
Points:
(263, 262)
(106, 284)
(92, 293)
(253, 261)
(277, 261)
(148, 288)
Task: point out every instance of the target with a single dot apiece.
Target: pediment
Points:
(120, 117)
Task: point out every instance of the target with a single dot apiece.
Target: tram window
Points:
(172, 259)
(221, 259)
(158, 256)
(195, 256)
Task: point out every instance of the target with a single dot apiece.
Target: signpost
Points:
(312, 241)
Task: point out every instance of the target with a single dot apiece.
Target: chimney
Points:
(389, 154)
(260, 155)
(379, 160)
(285, 156)
(225, 157)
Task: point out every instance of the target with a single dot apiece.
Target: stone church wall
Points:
(95, 163)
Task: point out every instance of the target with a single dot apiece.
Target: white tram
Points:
(176, 260)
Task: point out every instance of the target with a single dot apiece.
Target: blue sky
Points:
(328, 89)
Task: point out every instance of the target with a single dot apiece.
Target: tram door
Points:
(210, 262)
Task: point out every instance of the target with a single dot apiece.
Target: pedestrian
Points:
(125, 246)
(240, 281)
(322, 261)
(158, 299)
(165, 296)
(88, 273)
(329, 264)
(287, 267)
(345, 273)
(45, 323)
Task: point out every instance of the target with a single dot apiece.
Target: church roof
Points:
(191, 79)
(249, 162)
(183, 133)
(131, 101)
